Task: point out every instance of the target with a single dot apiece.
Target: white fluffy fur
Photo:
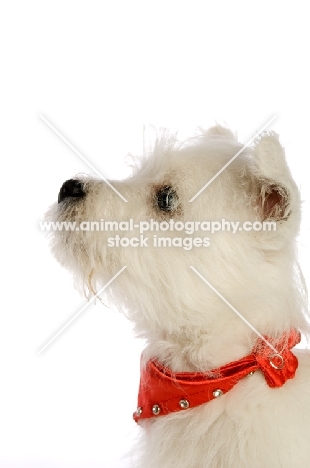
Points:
(185, 324)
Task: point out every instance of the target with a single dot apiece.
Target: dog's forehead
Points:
(195, 158)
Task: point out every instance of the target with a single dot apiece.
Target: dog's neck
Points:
(162, 390)
(200, 351)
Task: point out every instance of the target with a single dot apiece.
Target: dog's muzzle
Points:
(71, 188)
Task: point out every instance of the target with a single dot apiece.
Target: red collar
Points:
(162, 391)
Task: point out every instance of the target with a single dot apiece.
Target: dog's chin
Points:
(90, 264)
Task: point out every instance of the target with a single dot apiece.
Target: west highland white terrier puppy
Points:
(200, 246)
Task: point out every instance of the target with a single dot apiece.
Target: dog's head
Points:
(158, 289)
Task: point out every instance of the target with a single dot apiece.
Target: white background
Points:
(99, 71)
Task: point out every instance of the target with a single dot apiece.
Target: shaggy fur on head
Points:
(186, 325)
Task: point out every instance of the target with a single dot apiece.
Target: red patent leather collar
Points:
(162, 391)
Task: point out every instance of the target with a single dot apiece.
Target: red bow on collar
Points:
(162, 391)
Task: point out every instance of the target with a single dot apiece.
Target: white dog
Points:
(217, 295)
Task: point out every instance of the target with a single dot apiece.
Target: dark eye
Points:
(166, 199)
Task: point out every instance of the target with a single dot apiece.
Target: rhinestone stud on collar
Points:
(184, 404)
(156, 410)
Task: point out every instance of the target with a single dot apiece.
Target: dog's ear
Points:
(275, 193)
(273, 201)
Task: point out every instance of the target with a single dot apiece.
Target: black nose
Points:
(71, 188)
